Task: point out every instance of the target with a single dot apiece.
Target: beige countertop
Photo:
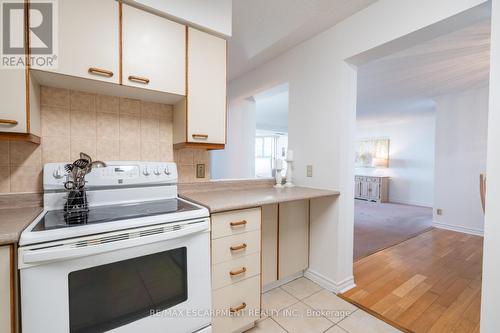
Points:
(14, 220)
(224, 200)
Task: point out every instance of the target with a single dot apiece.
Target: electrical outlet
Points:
(200, 170)
(309, 171)
(439, 211)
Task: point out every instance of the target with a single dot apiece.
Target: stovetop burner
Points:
(57, 219)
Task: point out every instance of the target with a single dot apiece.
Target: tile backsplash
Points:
(187, 159)
(105, 127)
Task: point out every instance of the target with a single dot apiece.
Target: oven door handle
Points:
(67, 251)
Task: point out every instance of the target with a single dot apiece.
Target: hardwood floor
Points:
(430, 283)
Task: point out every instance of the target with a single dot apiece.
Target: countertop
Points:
(14, 220)
(224, 200)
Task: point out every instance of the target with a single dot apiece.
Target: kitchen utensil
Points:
(84, 156)
(68, 168)
(81, 163)
(98, 164)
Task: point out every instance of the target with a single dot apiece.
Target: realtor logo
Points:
(41, 32)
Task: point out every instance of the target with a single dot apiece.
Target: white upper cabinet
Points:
(206, 95)
(13, 97)
(154, 52)
(88, 40)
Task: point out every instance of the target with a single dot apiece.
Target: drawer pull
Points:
(238, 308)
(99, 71)
(138, 79)
(238, 224)
(8, 122)
(200, 136)
(238, 272)
(238, 247)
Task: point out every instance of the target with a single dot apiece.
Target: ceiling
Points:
(408, 81)
(271, 109)
(264, 29)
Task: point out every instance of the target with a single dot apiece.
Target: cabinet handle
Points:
(8, 122)
(200, 136)
(138, 79)
(238, 308)
(99, 71)
(237, 224)
(238, 272)
(238, 247)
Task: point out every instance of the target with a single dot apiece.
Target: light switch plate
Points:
(200, 170)
(309, 171)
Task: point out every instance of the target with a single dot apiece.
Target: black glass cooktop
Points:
(55, 219)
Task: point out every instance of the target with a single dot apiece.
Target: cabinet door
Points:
(269, 247)
(357, 188)
(13, 96)
(206, 95)
(293, 236)
(374, 191)
(88, 40)
(6, 305)
(154, 52)
(364, 189)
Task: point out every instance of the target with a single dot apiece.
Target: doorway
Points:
(422, 131)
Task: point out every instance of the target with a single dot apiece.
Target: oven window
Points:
(105, 297)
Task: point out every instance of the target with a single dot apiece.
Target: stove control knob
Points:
(167, 171)
(58, 174)
(157, 171)
(146, 172)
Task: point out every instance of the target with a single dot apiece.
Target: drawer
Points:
(234, 247)
(245, 293)
(234, 271)
(236, 222)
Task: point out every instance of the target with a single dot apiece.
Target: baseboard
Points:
(335, 287)
(282, 281)
(411, 203)
(456, 228)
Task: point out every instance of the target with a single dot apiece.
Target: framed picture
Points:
(372, 153)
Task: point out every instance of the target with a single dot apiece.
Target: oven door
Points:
(154, 279)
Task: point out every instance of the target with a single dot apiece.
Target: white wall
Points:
(322, 105)
(411, 160)
(237, 160)
(213, 15)
(461, 142)
(490, 299)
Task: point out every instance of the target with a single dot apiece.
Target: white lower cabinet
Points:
(7, 321)
(236, 268)
(269, 244)
(232, 271)
(293, 238)
(236, 306)
(371, 188)
(254, 250)
(285, 241)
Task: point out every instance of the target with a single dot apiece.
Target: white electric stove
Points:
(137, 261)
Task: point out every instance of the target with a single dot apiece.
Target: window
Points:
(268, 148)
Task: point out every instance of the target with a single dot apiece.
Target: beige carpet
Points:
(378, 226)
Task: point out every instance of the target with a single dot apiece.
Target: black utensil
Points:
(81, 163)
(69, 168)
